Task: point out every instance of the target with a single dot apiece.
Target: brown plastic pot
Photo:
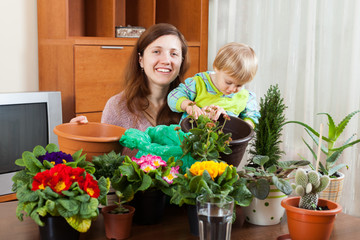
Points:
(310, 224)
(241, 134)
(93, 138)
(117, 226)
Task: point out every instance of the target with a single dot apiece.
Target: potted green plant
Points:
(265, 173)
(308, 216)
(225, 139)
(208, 177)
(105, 166)
(57, 186)
(332, 153)
(118, 219)
(145, 181)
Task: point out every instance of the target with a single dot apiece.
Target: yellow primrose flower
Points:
(213, 168)
(222, 167)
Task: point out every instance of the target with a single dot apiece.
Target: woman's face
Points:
(162, 60)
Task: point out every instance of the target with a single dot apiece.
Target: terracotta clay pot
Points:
(241, 134)
(94, 138)
(310, 224)
(117, 226)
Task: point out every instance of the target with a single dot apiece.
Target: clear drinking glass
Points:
(215, 216)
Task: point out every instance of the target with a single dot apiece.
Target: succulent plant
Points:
(308, 185)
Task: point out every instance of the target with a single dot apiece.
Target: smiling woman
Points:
(156, 66)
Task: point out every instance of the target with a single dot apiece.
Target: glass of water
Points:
(215, 216)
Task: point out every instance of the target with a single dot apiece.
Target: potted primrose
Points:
(58, 191)
(266, 175)
(144, 182)
(208, 177)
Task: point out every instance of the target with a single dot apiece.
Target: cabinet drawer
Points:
(98, 75)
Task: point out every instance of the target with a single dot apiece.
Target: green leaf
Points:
(39, 151)
(51, 147)
(282, 184)
(340, 128)
(271, 169)
(332, 127)
(146, 183)
(260, 188)
(310, 129)
(260, 160)
(20, 162)
(335, 169)
(29, 161)
(48, 164)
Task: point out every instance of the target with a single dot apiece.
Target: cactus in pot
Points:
(308, 185)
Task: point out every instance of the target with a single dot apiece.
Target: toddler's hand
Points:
(213, 112)
(194, 110)
(79, 119)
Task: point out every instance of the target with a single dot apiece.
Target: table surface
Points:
(173, 226)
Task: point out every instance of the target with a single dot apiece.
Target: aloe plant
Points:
(331, 151)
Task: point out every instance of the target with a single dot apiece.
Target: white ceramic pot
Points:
(268, 211)
(334, 190)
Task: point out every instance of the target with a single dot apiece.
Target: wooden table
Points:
(174, 226)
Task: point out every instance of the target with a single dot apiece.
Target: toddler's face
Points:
(226, 84)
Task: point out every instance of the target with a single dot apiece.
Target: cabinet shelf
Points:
(71, 31)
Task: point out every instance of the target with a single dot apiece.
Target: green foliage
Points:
(308, 185)
(268, 131)
(129, 178)
(260, 178)
(32, 165)
(206, 139)
(120, 209)
(105, 165)
(75, 205)
(330, 150)
(264, 168)
(188, 187)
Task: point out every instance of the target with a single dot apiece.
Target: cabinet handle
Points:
(111, 47)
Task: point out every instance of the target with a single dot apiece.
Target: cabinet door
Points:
(98, 75)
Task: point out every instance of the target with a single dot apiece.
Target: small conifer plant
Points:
(268, 131)
(308, 185)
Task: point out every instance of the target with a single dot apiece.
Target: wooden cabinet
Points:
(80, 56)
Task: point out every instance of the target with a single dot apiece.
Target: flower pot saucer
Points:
(284, 237)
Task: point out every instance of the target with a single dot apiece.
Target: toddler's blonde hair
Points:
(238, 61)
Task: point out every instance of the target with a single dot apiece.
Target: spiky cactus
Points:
(308, 185)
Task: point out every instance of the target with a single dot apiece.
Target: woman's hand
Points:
(213, 112)
(79, 119)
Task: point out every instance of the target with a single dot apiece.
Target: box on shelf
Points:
(128, 32)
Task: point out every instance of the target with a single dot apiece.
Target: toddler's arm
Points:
(251, 113)
(185, 91)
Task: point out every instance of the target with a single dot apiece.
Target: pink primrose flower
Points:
(147, 167)
(172, 175)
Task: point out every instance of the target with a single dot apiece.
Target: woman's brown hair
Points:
(137, 88)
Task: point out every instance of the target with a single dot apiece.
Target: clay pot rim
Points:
(294, 208)
(60, 133)
(106, 209)
(234, 141)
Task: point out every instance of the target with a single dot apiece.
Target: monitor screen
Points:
(22, 127)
